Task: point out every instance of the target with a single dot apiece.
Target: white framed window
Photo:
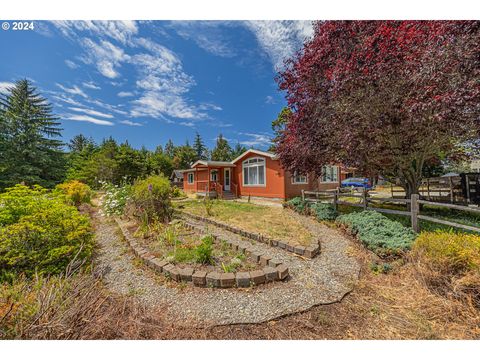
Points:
(190, 178)
(299, 179)
(254, 172)
(213, 175)
(329, 174)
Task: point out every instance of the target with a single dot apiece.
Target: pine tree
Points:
(238, 150)
(200, 148)
(222, 150)
(170, 149)
(29, 147)
(80, 143)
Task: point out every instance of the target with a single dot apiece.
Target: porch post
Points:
(208, 183)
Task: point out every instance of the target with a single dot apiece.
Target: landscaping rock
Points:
(282, 272)
(274, 262)
(199, 278)
(167, 270)
(299, 250)
(175, 273)
(282, 245)
(213, 279)
(242, 279)
(290, 248)
(254, 256)
(264, 259)
(227, 280)
(158, 264)
(258, 277)
(271, 274)
(186, 274)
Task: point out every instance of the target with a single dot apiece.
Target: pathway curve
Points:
(323, 280)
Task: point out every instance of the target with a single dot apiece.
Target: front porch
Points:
(215, 181)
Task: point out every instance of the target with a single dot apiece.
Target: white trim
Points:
(299, 182)
(334, 181)
(257, 152)
(255, 165)
(193, 178)
(229, 179)
(211, 173)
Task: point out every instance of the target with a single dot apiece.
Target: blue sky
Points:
(149, 81)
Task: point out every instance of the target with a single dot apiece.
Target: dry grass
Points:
(271, 221)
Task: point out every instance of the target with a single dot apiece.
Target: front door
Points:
(226, 180)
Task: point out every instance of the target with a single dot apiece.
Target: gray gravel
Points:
(325, 279)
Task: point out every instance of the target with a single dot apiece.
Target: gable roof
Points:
(211, 163)
(258, 152)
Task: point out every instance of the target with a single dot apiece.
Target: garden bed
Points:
(272, 222)
(182, 253)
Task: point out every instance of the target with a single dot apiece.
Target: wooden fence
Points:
(463, 189)
(368, 203)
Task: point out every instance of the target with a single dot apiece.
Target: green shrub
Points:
(204, 251)
(298, 205)
(177, 192)
(208, 205)
(323, 211)
(151, 199)
(448, 252)
(76, 192)
(378, 233)
(115, 198)
(39, 232)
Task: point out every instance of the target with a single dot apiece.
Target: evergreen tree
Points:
(238, 150)
(29, 147)
(222, 150)
(278, 126)
(200, 148)
(80, 142)
(184, 157)
(170, 149)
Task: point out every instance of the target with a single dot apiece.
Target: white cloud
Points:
(125, 94)
(4, 86)
(187, 124)
(92, 112)
(208, 35)
(270, 100)
(105, 56)
(121, 31)
(71, 64)
(130, 123)
(75, 90)
(91, 85)
(89, 119)
(207, 106)
(280, 39)
(256, 140)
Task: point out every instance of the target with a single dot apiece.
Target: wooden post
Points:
(414, 209)
(303, 195)
(335, 198)
(391, 189)
(467, 185)
(451, 188)
(364, 199)
(428, 188)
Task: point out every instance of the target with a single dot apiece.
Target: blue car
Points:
(357, 183)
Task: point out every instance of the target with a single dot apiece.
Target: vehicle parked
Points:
(357, 183)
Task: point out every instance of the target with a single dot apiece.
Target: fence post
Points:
(450, 181)
(364, 198)
(335, 198)
(303, 195)
(414, 209)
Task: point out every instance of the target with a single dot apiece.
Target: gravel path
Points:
(323, 280)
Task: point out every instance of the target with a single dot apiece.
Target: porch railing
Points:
(201, 186)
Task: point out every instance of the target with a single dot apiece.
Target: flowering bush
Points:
(40, 233)
(115, 198)
(151, 199)
(77, 192)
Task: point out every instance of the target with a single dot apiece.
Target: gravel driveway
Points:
(323, 280)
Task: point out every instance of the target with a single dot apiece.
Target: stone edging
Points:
(309, 252)
(273, 270)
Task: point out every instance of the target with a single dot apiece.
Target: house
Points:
(176, 178)
(254, 173)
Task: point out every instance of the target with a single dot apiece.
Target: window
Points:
(299, 179)
(190, 177)
(329, 174)
(254, 172)
(213, 175)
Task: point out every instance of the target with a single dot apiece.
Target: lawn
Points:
(277, 223)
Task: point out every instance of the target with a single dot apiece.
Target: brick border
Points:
(273, 270)
(309, 252)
